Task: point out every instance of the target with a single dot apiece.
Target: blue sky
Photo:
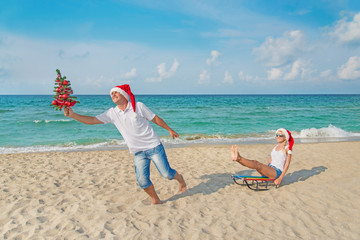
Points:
(181, 47)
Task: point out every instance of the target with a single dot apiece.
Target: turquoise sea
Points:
(29, 124)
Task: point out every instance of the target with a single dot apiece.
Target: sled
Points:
(257, 183)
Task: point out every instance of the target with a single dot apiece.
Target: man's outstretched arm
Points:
(159, 121)
(68, 112)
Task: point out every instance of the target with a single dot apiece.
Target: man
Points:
(132, 121)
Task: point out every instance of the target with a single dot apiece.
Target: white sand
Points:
(94, 195)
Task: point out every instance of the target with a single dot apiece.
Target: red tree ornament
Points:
(63, 93)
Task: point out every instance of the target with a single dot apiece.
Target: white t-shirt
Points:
(135, 128)
(278, 158)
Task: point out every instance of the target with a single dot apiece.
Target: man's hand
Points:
(173, 134)
(68, 112)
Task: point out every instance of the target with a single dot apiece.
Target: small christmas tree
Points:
(62, 91)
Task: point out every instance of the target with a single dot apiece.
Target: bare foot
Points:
(235, 156)
(154, 197)
(156, 201)
(182, 184)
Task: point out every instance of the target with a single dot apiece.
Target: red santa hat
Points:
(126, 92)
(289, 138)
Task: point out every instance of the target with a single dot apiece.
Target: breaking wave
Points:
(325, 134)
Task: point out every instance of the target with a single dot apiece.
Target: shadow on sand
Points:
(215, 182)
(301, 175)
(211, 184)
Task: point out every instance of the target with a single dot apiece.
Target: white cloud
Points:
(163, 73)
(347, 32)
(297, 70)
(130, 75)
(351, 69)
(242, 75)
(247, 77)
(328, 75)
(274, 74)
(214, 58)
(92, 67)
(294, 72)
(228, 78)
(204, 77)
(281, 51)
(97, 82)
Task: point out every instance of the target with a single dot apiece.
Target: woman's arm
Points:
(286, 167)
(68, 112)
(158, 121)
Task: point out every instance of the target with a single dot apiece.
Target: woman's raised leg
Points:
(253, 164)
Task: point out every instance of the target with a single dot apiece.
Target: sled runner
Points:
(257, 183)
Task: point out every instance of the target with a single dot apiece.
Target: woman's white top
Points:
(278, 158)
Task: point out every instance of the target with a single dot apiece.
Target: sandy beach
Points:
(94, 195)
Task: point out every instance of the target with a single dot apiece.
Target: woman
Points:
(279, 161)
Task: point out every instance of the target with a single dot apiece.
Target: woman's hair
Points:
(285, 142)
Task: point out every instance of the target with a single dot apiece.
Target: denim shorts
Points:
(278, 171)
(142, 165)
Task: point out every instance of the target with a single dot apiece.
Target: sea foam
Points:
(325, 132)
(52, 121)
